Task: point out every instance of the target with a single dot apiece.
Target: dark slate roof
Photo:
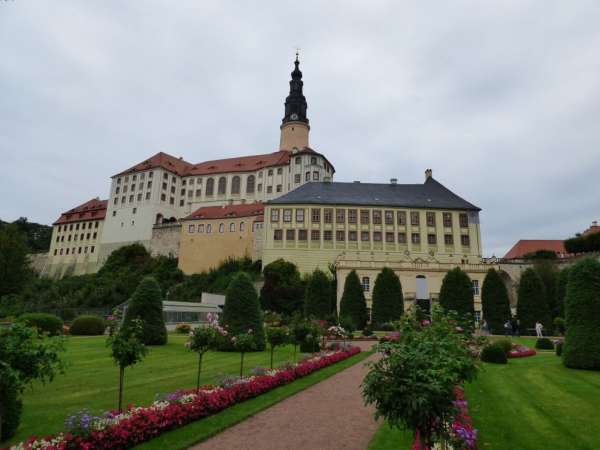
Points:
(430, 194)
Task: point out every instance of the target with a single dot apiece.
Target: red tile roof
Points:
(94, 209)
(176, 165)
(525, 246)
(228, 211)
(593, 229)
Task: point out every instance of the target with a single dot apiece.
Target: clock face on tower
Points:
(294, 116)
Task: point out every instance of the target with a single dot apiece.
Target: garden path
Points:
(330, 415)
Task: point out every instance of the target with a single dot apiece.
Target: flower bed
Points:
(464, 436)
(116, 430)
(521, 351)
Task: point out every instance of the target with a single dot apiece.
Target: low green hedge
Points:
(88, 326)
(493, 353)
(48, 323)
(544, 344)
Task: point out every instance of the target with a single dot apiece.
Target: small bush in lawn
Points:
(47, 323)
(367, 332)
(506, 344)
(183, 328)
(88, 326)
(493, 354)
(559, 348)
(386, 327)
(544, 344)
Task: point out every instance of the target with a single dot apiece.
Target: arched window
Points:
(210, 186)
(209, 228)
(241, 226)
(235, 185)
(221, 227)
(231, 227)
(307, 176)
(250, 184)
(159, 219)
(222, 185)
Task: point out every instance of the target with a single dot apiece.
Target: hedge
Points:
(388, 302)
(88, 326)
(48, 323)
(495, 302)
(146, 305)
(493, 354)
(544, 344)
(353, 306)
(456, 293)
(531, 304)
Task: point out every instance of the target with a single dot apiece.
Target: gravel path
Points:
(329, 415)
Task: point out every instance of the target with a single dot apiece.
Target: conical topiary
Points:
(317, 297)
(353, 306)
(456, 293)
(495, 302)
(531, 304)
(146, 304)
(388, 302)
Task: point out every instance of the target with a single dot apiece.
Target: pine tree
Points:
(146, 305)
(582, 306)
(353, 305)
(283, 291)
(317, 297)
(495, 302)
(531, 304)
(241, 311)
(388, 302)
(456, 293)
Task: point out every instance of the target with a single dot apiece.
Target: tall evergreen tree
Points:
(561, 291)
(582, 304)
(14, 264)
(456, 293)
(495, 302)
(548, 272)
(531, 303)
(388, 302)
(353, 305)
(241, 311)
(317, 297)
(146, 305)
(283, 291)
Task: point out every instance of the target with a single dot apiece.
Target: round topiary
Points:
(506, 345)
(12, 407)
(493, 354)
(146, 305)
(544, 344)
(582, 307)
(88, 326)
(47, 323)
(559, 348)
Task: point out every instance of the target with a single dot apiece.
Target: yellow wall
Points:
(199, 252)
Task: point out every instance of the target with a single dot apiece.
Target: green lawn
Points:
(529, 404)
(91, 380)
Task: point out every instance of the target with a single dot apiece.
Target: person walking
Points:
(538, 329)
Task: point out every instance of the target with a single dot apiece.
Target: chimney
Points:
(356, 182)
(428, 174)
(393, 180)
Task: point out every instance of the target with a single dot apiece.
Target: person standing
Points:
(538, 329)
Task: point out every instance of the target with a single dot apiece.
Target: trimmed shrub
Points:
(385, 327)
(183, 328)
(559, 348)
(559, 325)
(317, 297)
(495, 302)
(544, 344)
(493, 354)
(582, 307)
(388, 302)
(456, 293)
(353, 306)
(47, 323)
(88, 326)
(531, 305)
(506, 344)
(146, 305)
(561, 291)
(283, 291)
(242, 312)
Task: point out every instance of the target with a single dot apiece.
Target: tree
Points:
(531, 303)
(388, 302)
(317, 298)
(241, 311)
(282, 291)
(24, 358)
(146, 305)
(276, 337)
(202, 339)
(548, 272)
(243, 343)
(561, 291)
(582, 305)
(353, 305)
(495, 302)
(456, 293)
(14, 263)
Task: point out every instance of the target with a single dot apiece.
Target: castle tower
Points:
(294, 126)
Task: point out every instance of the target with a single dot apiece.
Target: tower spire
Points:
(294, 125)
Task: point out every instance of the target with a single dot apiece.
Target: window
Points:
(431, 239)
(174, 180)
(279, 171)
(463, 220)
(131, 199)
(67, 251)
(232, 227)
(448, 239)
(191, 228)
(210, 186)
(250, 184)
(401, 238)
(365, 282)
(327, 235)
(165, 176)
(389, 217)
(114, 214)
(278, 188)
(278, 235)
(414, 218)
(92, 249)
(340, 215)
(139, 197)
(118, 181)
(377, 217)
(313, 160)
(300, 215)
(184, 182)
(172, 189)
(201, 228)
(287, 215)
(269, 189)
(222, 188)
(430, 216)
(260, 187)
(307, 176)
(315, 176)
(447, 219)
(351, 216)
(55, 252)
(401, 217)
(298, 160)
(221, 228)
(290, 235)
(352, 236)
(464, 240)
(95, 235)
(164, 186)
(475, 287)
(242, 226)
(198, 192)
(117, 190)
(85, 249)
(77, 226)
(389, 237)
(190, 193)
(315, 235)
(315, 215)
(61, 251)
(340, 235)
(149, 185)
(133, 178)
(302, 235)
(150, 174)
(297, 178)
(191, 181)
(79, 250)
(377, 236)
(274, 215)
(124, 189)
(209, 228)
(416, 238)
(364, 236)
(182, 192)
(364, 216)
(115, 201)
(133, 187)
(147, 195)
(172, 200)
(328, 215)
(235, 185)
(260, 174)
(163, 197)
(270, 172)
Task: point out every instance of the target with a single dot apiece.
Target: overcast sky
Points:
(500, 99)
